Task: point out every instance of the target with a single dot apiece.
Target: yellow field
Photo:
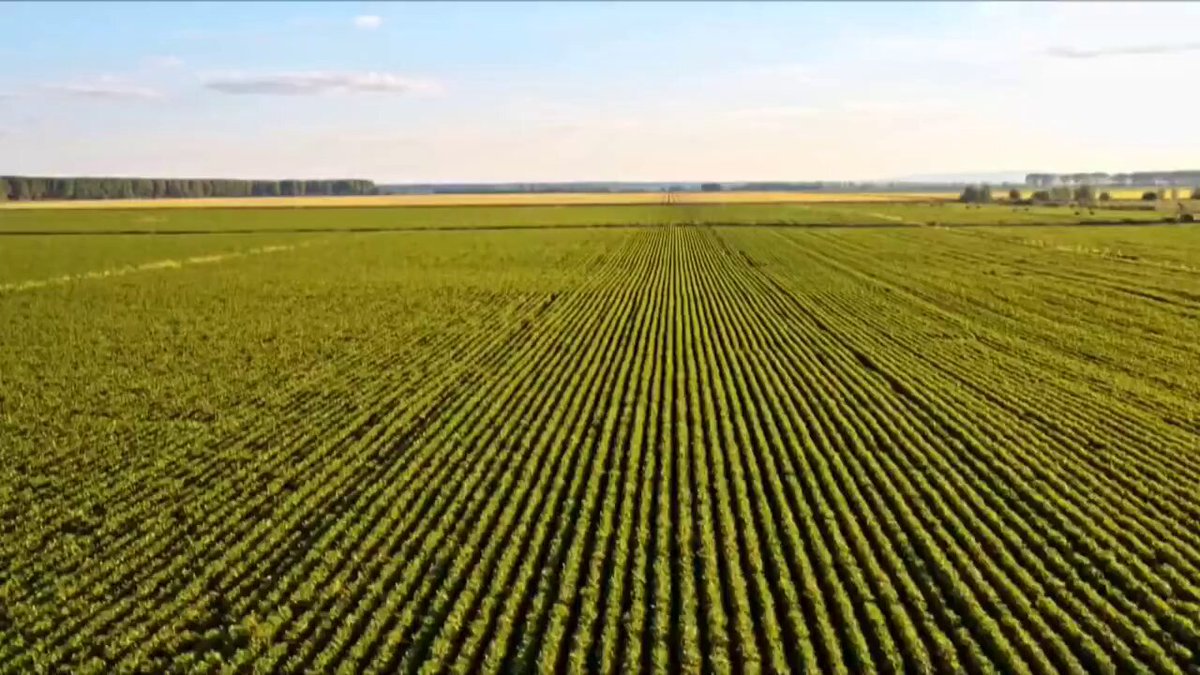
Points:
(791, 197)
(1123, 193)
(555, 199)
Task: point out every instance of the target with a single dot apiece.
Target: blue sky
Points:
(575, 91)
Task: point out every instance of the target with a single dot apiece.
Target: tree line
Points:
(32, 188)
(1100, 178)
(982, 194)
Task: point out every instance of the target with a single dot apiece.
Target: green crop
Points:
(519, 443)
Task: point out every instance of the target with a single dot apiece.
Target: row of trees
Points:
(1083, 194)
(30, 188)
(1100, 178)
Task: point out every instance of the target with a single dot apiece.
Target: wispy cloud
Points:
(599, 125)
(165, 62)
(781, 112)
(368, 22)
(320, 82)
(1133, 50)
(103, 88)
(791, 72)
(897, 106)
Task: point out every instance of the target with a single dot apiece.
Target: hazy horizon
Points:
(492, 92)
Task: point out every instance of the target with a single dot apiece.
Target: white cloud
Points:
(165, 62)
(583, 126)
(783, 73)
(103, 88)
(368, 22)
(775, 112)
(897, 106)
(320, 82)
(1133, 50)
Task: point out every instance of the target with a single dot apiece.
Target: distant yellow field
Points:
(556, 199)
(1136, 193)
(791, 197)
(1123, 193)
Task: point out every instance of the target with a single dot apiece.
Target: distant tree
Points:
(1014, 195)
(32, 188)
(710, 187)
(1084, 194)
(1150, 196)
(1041, 196)
(1196, 193)
(976, 194)
(62, 188)
(143, 188)
(20, 188)
(1061, 193)
(1104, 197)
(38, 187)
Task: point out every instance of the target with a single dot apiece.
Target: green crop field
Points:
(242, 220)
(826, 438)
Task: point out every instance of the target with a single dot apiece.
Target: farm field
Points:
(662, 445)
(35, 260)
(523, 199)
(1132, 194)
(309, 220)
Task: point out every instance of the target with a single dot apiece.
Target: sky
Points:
(490, 91)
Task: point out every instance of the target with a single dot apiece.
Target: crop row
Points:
(675, 448)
